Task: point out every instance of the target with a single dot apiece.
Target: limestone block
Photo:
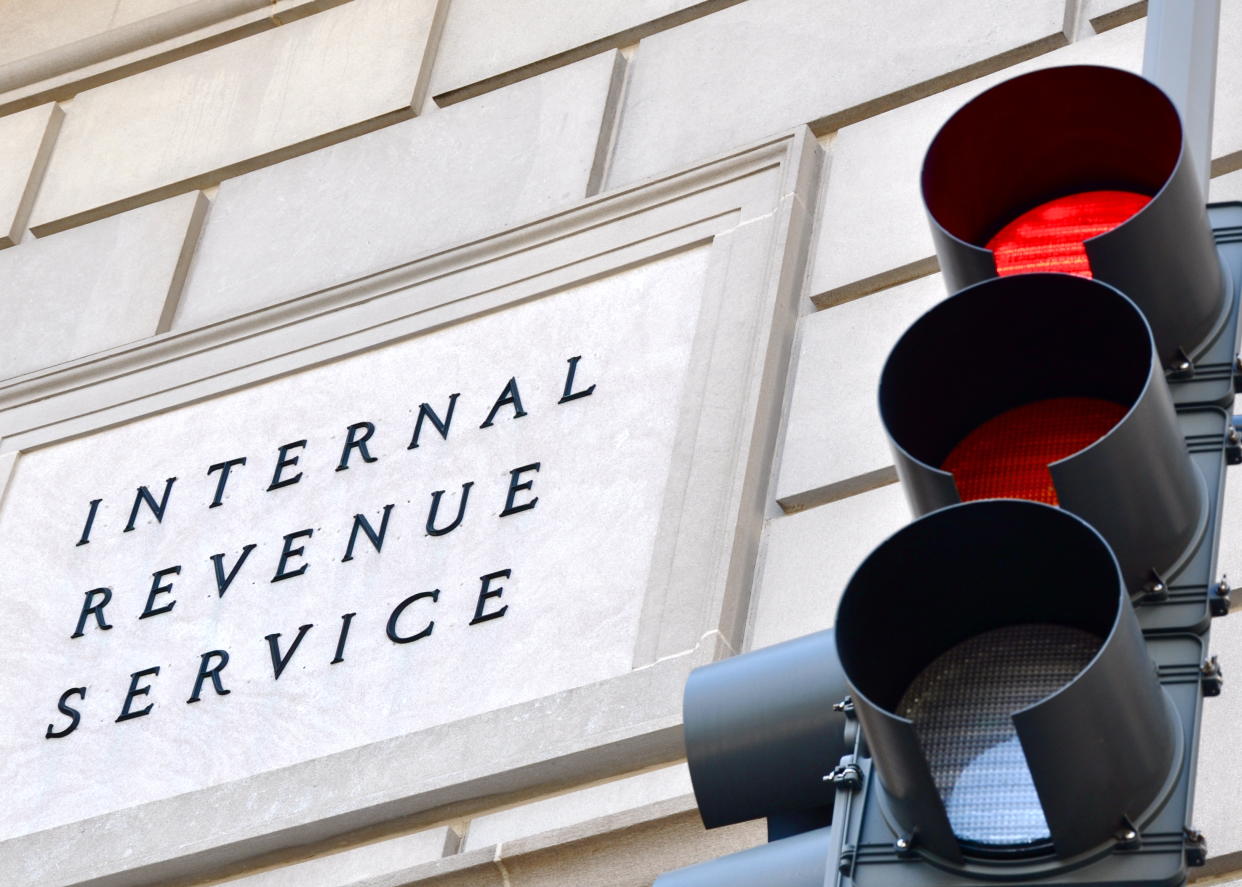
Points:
(349, 867)
(1227, 116)
(1226, 187)
(128, 11)
(96, 287)
(7, 463)
(618, 851)
(119, 41)
(633, 857)
(1219, 781)
(386, 197)
(36, 26)
(767, 65)
(25, 143)
(609, 798)
(236, 107)
(834, 444)
(808, 558)
(873, 230)
(1105, 14)
(472, 50)
(479, 875)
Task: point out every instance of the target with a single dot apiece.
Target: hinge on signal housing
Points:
(1211, 677)
(1196, 848)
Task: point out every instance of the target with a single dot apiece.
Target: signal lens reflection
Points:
(962, 706)
(1050, 236)
(1007, 456)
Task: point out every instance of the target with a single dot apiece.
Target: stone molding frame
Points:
(753, 209)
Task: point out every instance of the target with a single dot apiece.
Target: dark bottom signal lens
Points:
(962, 706)
(1007, 456)
(1050, 236)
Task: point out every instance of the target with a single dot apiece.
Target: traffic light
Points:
(1084, 170)
(1047, 387)
(1010, 707)
(1021, 668)
(1017, 728)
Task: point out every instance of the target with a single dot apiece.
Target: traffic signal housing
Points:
(1081, 169)
(1099, 389)
(1027, 659)
(1047, 387)
(758, 730)
(1010, 706)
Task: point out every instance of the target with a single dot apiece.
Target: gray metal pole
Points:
(1180, 58)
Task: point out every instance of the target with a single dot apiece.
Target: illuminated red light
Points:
(1050, 236)
(1007, 457)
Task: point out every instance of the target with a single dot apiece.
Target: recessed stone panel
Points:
(503, 559)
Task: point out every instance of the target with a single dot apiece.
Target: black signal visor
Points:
(1082, 170)
(760, 730)
(1046, 387)
(1004, 686)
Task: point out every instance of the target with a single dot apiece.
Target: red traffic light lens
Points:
(1079, 133)
(1050, 236)
(1007, 456)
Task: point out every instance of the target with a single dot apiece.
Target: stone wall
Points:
(202, 201)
